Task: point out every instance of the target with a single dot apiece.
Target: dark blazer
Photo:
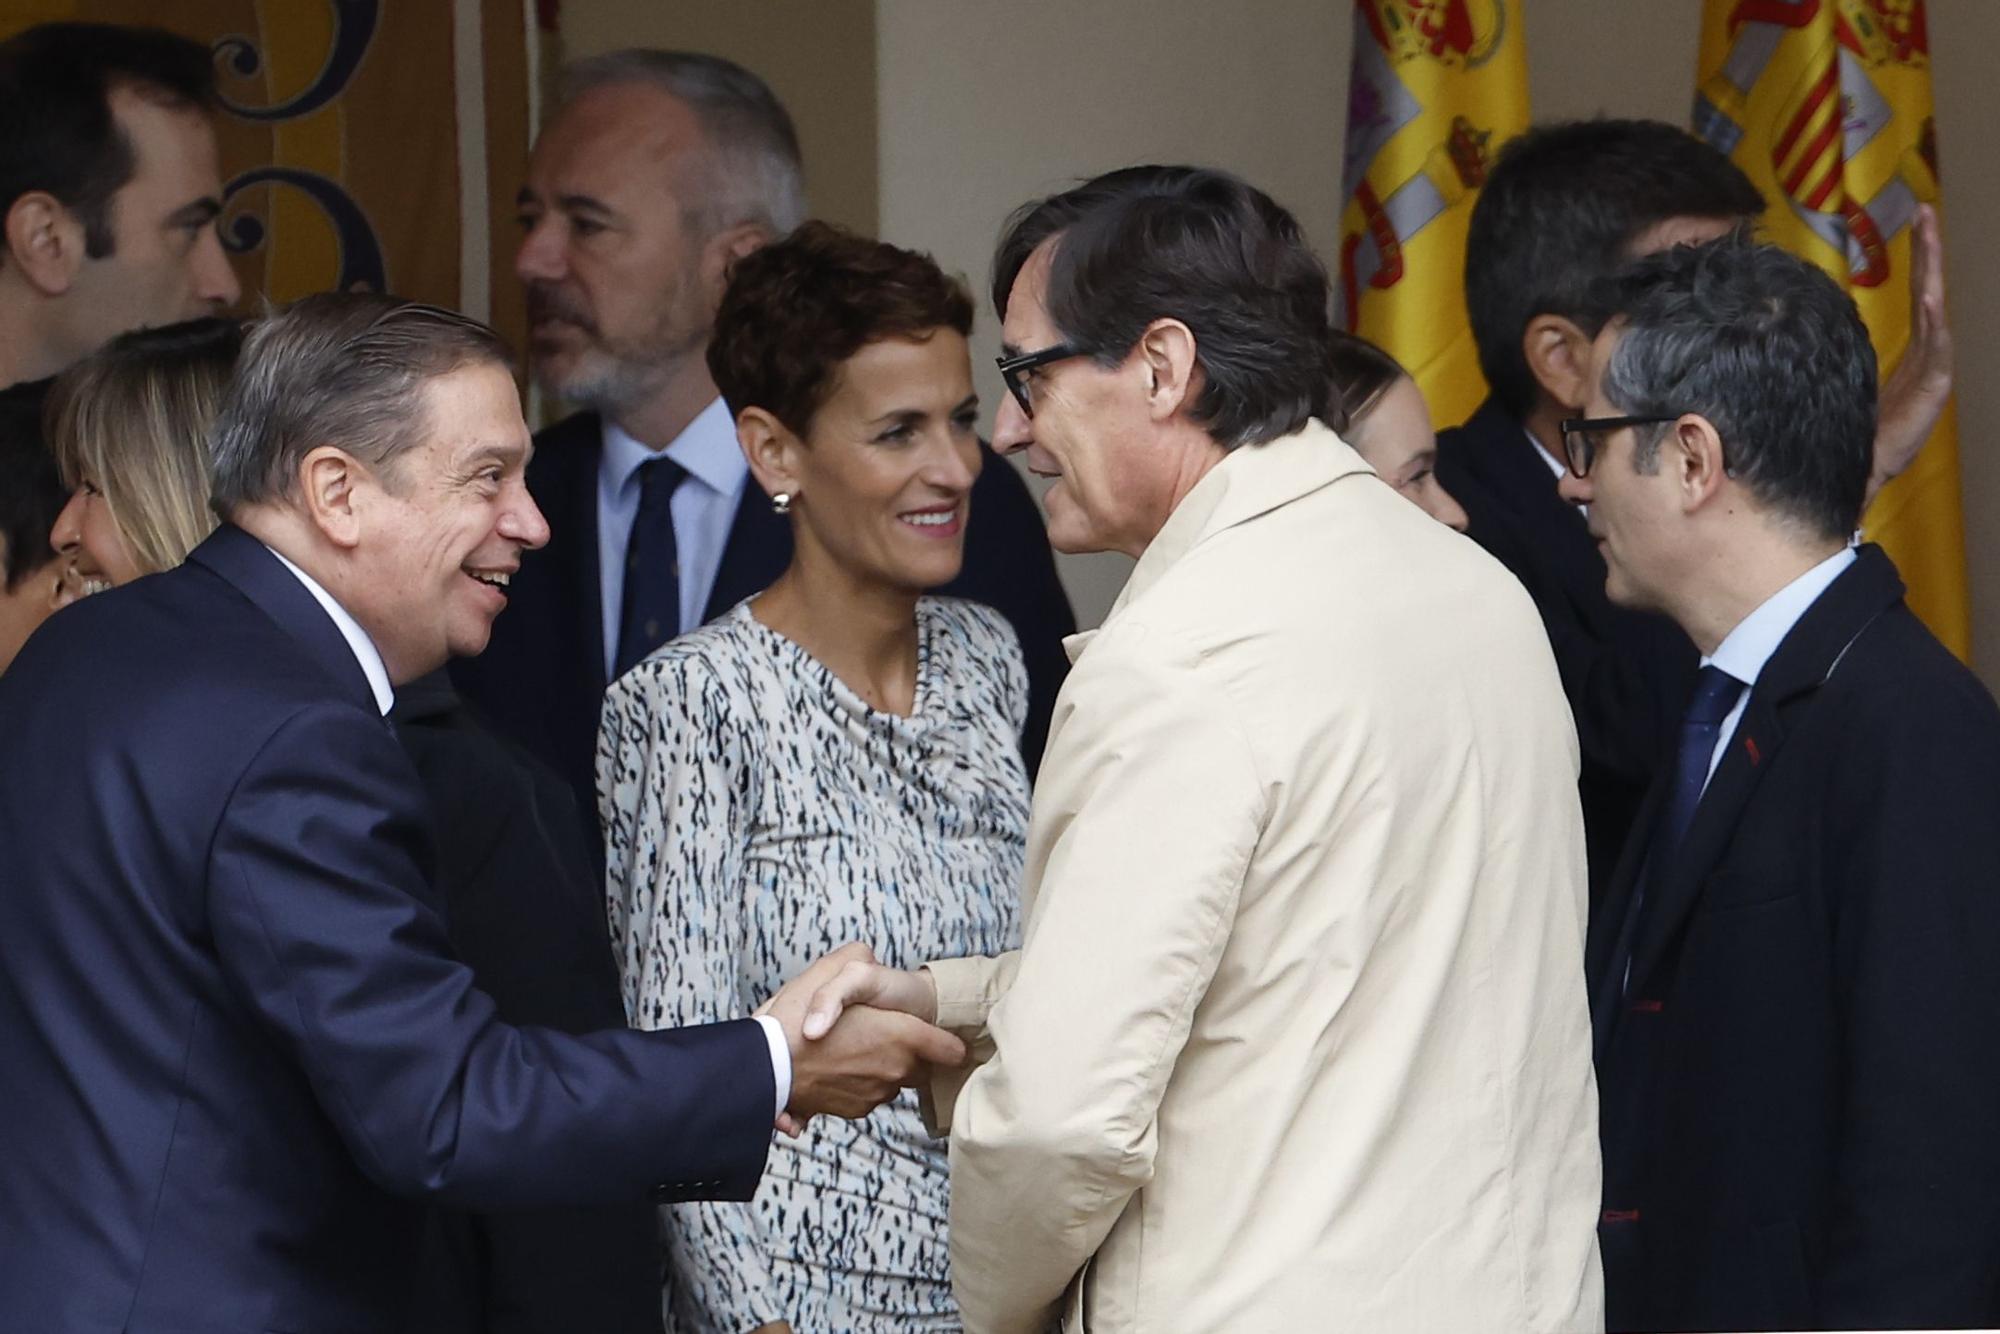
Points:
(1627, 674)
(524, 909)
(235, 1049)
(542, 677)
(1799, 1085)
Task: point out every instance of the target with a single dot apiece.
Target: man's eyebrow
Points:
(198, 213)
(583, 204)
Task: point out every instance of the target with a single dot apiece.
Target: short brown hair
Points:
(339, 368)
(798, 308)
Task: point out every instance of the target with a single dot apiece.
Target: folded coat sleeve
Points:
(1153, 810)
(323, 917)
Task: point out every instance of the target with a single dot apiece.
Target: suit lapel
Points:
(565, 485)
(246, 563)
(1802, 663)
(757, 552)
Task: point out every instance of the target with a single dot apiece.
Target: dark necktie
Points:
(1715, 694)
(650, 612)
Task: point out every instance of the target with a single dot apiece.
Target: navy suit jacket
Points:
(235, 1049)
(1627, 674)
(542, 677)
(1799, 1084)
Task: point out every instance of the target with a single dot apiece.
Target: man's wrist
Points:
(781, 1060)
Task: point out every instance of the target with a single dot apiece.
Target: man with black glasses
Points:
(1792, 981)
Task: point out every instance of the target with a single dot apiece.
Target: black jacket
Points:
(1627, 674)
(1800, 1086)
(525, 910)
(542, 678)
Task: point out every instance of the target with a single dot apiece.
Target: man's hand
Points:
(850, 1067)
(865, 982)
(1914, 395)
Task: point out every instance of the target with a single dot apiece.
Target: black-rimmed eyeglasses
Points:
(1015, 371)
(1581, 437)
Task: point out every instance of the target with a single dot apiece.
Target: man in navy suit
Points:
(657, 171)
(1565, 207)
(1793, 979)
(235, 1049)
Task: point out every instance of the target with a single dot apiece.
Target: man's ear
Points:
(772, 451)
(329, 479)
(1691, 450)
(1166, 353)
(1558, 356)
(723, 250)
(45, 242)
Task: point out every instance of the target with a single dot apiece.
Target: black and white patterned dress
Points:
(758, 813)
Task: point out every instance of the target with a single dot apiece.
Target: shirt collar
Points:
(1756, 637)
(350, 629)
(706, 447)
(1556, 465)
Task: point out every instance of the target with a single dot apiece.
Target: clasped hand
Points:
(858, 1032)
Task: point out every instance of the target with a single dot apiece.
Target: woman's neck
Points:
(865, 632)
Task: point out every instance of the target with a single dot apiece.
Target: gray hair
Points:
(340, 368)
(754, 172)
(1771, 352)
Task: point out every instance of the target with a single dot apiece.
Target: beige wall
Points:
(819, 58)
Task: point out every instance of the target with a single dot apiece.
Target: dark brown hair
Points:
(1361, 373)
(799, 307)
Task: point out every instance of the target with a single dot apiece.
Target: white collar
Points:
(706, 447)
(350, 629)
(1756, 637)
(1556, 465)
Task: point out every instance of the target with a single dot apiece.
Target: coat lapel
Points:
(757, 552)
(1803, 662)
(246, 563)
(565, 485)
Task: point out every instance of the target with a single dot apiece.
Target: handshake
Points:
(858, 1032)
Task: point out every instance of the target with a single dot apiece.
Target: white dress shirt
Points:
(703, 508)
(372, 667)
(1756, 637)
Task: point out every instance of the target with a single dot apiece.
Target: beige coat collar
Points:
(1250, 481)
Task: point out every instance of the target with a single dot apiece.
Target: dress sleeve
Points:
(675, 790)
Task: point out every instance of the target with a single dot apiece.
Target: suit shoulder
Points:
(1897, 678)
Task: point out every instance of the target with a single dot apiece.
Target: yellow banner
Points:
(1436, 87)
(1826, 105)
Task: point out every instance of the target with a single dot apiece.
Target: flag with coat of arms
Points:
(1826, 106)
(1436, 87)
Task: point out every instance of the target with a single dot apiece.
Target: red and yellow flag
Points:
(1826, 105)
(1437, 85)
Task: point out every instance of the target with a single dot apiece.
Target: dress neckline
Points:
(845, 695)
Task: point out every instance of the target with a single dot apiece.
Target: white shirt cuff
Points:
(781, 1061)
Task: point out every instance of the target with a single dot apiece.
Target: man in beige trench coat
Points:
(1298, 1038)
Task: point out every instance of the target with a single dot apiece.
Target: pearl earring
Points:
(781, 503)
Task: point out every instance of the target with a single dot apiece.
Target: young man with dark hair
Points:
(1565, 207)
(32, 586)
(1791, 975)
(109, 191)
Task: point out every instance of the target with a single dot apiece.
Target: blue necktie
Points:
(650, 612)
(1715, 694)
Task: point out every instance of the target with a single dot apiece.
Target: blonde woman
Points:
(129, 425)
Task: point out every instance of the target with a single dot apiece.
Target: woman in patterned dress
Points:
(836, 759)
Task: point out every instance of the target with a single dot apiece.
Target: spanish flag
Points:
(1437, 86)
(1826, 104)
